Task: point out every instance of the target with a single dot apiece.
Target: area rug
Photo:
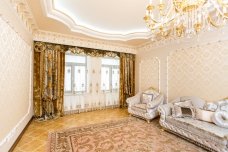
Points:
(125, 135)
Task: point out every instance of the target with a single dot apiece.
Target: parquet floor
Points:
(35, 137)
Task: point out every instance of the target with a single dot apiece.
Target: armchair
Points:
(137, 106)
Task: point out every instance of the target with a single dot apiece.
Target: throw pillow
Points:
(224, 108)
(152, 91)
(204, 115)
(149, 95)
(183, 109)
(220, 118)
(222, 105)
(156, 102)
(210, 107)
(147, 98)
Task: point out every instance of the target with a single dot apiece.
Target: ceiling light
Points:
(184, 18)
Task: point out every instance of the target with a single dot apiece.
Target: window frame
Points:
(110, 74)
(72, 65)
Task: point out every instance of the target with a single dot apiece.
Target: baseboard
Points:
(19, 137)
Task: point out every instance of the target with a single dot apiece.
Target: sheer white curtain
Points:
(101, 79)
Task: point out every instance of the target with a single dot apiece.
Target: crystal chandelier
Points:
(185, 17)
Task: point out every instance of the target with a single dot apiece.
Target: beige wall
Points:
(149, 75)
(15, 78)
(199, 68)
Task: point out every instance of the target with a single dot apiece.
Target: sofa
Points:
(206, 134)
(144, 104)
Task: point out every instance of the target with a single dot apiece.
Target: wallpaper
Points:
(15, 62)
(199, 71)
(149, 74)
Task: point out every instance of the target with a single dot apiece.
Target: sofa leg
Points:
(148, 121)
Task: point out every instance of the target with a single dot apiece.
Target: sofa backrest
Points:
(196, 101)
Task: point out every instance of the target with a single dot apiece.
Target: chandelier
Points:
(184, 18)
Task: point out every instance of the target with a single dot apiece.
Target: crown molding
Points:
(9, 13)
(25, 14)
(51, 12)
(59, 38)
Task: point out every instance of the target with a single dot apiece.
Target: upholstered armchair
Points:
(145, 104)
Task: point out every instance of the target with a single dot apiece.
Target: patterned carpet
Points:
(125, 135)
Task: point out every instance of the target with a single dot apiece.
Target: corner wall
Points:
(189, 67)
(16, 60)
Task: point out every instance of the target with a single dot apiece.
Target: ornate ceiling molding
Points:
(52, 12)
(24, 12)
(53, 37)
(11, 12)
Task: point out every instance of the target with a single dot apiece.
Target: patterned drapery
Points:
(127, 77)
(49, 68)
(49, 64)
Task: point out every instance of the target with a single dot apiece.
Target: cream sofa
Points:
(147, 111)
(205, 134)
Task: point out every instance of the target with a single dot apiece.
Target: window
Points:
(75, 73)
(109, 74)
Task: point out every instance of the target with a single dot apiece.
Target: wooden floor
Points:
(36, 135)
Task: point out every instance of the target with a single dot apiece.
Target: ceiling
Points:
(118, 21)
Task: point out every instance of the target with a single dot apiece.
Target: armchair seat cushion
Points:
(140, 107)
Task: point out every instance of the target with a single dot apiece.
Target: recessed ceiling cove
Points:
(105, 19)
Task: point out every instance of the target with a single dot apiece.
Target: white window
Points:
(75, 74)
(109, 74)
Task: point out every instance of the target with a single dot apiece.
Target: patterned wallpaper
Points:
(199, 71)
(149, 73)
(15, 62)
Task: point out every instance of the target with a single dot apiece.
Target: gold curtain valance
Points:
(42, 46)
(93, 52)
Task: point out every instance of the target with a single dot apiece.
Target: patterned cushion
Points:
(196, 101)
(204, 115)
(156, 102)
(147, 98)
(149, 94)
(221, 105)
(183, 109)
(210, 107)
(139, 108)
(224, 108)
(220, 118)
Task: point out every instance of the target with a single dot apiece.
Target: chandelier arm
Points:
(212, 22)
(222, 3)
(187, 17)
(225, 16)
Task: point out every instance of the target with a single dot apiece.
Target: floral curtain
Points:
(93, 98)
(127, 77)
(49, 64)
(49, 68)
